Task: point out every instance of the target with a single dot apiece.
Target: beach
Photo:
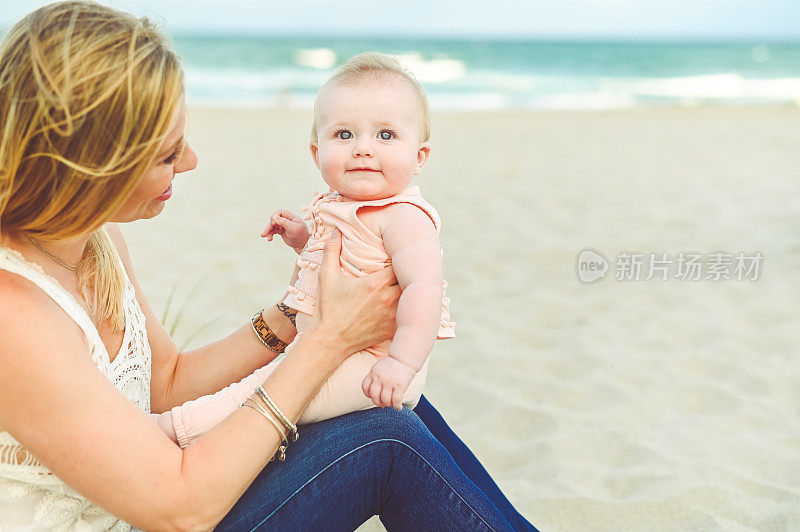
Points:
(613, 405)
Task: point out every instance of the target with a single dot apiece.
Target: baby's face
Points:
(369, 138)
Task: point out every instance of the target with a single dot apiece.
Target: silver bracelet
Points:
(260, 409)
(277, 411)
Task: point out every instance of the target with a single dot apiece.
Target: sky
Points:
(519, 19)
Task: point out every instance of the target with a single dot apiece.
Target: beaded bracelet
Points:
(260, 409)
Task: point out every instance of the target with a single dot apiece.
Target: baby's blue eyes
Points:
(344, 134)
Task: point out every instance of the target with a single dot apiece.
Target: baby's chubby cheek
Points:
(330, 171)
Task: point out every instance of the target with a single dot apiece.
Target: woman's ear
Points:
(422, 156)
(315, 153)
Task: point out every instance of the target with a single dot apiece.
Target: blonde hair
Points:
(373, 66)
(87, 96)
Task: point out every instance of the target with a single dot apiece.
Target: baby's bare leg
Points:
(342, 394)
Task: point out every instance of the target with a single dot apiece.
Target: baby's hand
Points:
(290, 226)
(387, 382)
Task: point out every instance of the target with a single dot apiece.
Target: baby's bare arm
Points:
(411, 240)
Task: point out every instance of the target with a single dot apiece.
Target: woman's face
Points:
(174, 156)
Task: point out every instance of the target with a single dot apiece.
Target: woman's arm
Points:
(186, 423)
(179, 377)
(56, 403)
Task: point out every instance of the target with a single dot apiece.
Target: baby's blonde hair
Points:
(87, 96)
(372, 66)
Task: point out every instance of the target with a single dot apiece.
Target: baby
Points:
(369, 138)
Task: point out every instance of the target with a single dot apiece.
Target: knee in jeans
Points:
(403, 425)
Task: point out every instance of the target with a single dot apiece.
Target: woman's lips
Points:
(167, 193)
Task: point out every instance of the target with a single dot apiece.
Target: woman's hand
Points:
(359, 312)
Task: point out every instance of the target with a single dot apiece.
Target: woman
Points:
(92, 134)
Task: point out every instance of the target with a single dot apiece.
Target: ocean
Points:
(247, 71)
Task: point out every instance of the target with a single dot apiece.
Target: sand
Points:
(618, 405)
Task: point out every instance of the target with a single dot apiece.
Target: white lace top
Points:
(31, 497)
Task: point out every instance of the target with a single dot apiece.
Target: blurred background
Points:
(621, 126)
(543, 54)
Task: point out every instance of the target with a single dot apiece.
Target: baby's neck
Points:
(375, 197)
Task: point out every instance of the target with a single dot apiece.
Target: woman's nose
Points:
(188, 160)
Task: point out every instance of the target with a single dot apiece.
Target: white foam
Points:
(726, 86)
(585, 101)
(483, 101)
(212, 77)
(503, 81)
(437, 70)
(451, 86)
(321, 58)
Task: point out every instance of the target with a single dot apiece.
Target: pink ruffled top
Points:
(363, 251)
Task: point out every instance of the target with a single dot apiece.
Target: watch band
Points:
(265, 334)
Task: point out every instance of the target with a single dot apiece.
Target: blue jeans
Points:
(378, 461)
(469, 464)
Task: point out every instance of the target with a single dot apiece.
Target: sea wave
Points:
(321, 58)
(726, 86)
(450, 86)
(500, 74)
